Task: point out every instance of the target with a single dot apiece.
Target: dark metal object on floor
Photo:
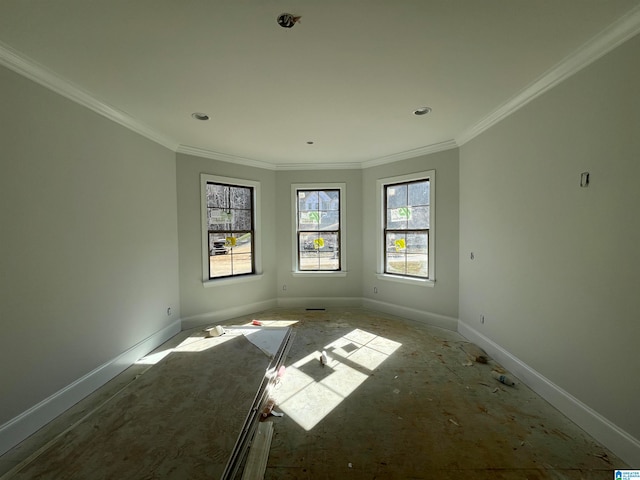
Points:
(253, 417)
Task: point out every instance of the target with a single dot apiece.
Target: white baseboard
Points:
(19, 428)
(429, 318)
(319, 302)
(613, 437)
(218, 316)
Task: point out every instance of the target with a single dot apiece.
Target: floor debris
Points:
(475, 353)
(258, 452)
(214, 331)
(324, 359)
(603, 456)
(268, 408)
(502, 378)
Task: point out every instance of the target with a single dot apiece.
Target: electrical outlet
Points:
(482, 319)
(168, 311)
(284, 288)
(375, 289)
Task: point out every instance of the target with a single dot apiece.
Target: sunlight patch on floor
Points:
(310, 391)
(267, 338)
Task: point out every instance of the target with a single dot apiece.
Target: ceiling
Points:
(347, 77)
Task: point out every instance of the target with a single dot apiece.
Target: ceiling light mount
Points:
(287, 20)
(422, 111)
(200, 116)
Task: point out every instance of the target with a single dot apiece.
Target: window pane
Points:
(397, 218)
(241, 263)
(417, 265)
(395, 256)
(218, 219)
(417, 243)
(241, 220)
(396, 196)
(328, 260)
(319, 251)
(316, 241)
(419, 193)
(217, 195)
(309, 220)
(242, 243)
(240, 197)
(329, 242)
(396, 243)
(418, 217)
(230, 254)
(217, 244)
(329, 220)
(307, 201)
(220, 266)
(330, 200)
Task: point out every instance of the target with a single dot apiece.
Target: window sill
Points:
(319, 274)
(422, 282)
(218, 282)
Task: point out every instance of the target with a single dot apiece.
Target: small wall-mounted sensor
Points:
(584, 179)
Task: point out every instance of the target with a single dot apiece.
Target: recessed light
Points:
(422, 111)
(200, 116)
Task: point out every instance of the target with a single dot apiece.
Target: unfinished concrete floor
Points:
(397, 400)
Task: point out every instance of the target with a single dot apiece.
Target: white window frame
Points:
(294, 230)
(411, 177)
(204, 179)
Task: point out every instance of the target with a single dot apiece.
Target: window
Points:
(408, 225)
(229, 236)
(318, 233)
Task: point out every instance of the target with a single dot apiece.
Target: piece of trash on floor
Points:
(468, 363)
(281, 371)
(475, 353)
(502, 378)
(277, 414)
(454, 422)
(350, 465)
(603, 456)
(496, 390)
(324, 359)
(214, 331)
(396, 391)
(268, 408)
(256, 322)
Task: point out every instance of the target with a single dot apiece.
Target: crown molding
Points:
(416, 152)
(41, 75)
(223, 157)
(616, 34)
(319, 166)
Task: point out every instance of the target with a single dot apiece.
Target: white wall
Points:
(556, 266)
(202, 304)
(437, 305)
(315, 291)
(89, 261)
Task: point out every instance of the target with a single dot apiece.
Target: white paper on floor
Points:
(267, 339)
